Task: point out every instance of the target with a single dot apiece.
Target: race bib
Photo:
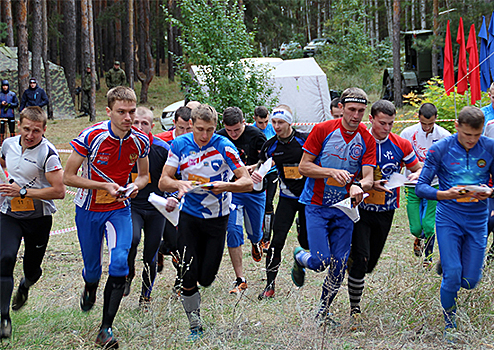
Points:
(133, 176)
(291, 172)
(199, 179)
(375, 197)
(466, 199)
(332, 182)
(20, 204)
(104, 197)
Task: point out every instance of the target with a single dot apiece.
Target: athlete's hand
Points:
(219, 187)
(413, 176)
(357, 193)
(379, 186)
(453, 193)
(482, 195)
(256, 177)
(112, 189)
(251, 168)
(341, 176)
(171, 204)
(10, 190)
(183, 187)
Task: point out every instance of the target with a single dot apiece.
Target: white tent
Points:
(301, 84)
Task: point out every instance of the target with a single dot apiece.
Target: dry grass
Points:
(401, 308)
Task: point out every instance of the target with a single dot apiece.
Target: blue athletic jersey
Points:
(391, 153)
(488, 113)
(214, 162)
(456, 167)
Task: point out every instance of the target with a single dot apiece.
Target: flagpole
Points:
(454, 99)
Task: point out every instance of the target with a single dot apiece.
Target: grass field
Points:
(401, 307)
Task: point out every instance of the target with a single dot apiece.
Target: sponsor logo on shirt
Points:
(133, 158)
(481, 163)
(356, 151)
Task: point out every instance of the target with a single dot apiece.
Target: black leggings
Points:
(153, 223)
(283, 220)
(203, 241)
(11, 122)
(36, 233)
(271, 185)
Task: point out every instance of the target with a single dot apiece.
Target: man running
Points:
(107, 152)
(35, 180)
(144, 215)
(207, 161)
(377, 210)
(335, 154)
(466, 158)
(248, 207)
(286, 151)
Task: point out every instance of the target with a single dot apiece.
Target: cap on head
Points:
(32, 80)
(88, 65)
(117, 63)
(5, 82)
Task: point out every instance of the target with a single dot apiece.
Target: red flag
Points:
(473, 66)
(462, 84)
(449, 68)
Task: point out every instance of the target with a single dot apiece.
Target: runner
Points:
(107, 152)
(377, 211)
(203, 158)
(335, 154)
(463, 159)
(144, 215)
(286, 150)
(35, 180)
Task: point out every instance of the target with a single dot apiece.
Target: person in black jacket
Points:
(33, 96)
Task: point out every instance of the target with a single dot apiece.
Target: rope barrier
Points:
(64, 230)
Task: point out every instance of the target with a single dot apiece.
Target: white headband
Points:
(282, 114)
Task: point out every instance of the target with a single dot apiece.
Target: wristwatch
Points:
(357, 183)
(23, 193)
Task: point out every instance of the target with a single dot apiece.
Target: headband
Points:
(353, 99)
(282, 114)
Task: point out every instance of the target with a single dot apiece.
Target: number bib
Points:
(20, 204)
(198, 178)
(104, 197)
(375, 197)
(291, 172)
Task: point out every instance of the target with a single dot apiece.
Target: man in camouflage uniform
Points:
(115, 76)
(86, 91)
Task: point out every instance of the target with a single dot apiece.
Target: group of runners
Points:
(216, 181)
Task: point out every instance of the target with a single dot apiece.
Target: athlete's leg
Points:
(271, 186)
(153, 227)
(413, 211)
(235, 234)
(381, 225)
(473, 249)
(137, 225)
(302, 227)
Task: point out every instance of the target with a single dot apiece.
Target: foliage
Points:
(3, 30)
(215, 39)
(447, 106)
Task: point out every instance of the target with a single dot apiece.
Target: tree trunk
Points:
(435, 10)
(423, 23)
(372, 32)
(376, 20)
(396, 54)
(171, 40)
(412, 20)
(92, 100)
(22, 47)
(130, 69)
(7, 10)
(44, 53)
(53, 40)
(145, 46)
(69, 44)
(36, 42)
(118, 36)
(389, 12)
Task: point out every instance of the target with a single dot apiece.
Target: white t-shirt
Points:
(422, 141)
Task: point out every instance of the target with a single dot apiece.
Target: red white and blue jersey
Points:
(337, 148)
(214, 162)
(108, 158)
(391, 154)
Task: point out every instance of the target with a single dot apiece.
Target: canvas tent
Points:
(301, 84)
(61, 101)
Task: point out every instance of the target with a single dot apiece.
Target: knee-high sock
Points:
(355, 290)
(6, 288)
(113, 295)
(192, 307)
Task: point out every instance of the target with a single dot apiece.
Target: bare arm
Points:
(142, 176)
(55, 191)
(169, 184)
(308, 168)
(70, 177)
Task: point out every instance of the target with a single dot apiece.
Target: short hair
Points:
(383, 106)
(285, 107)
(34, 114)
(334, 103)
(144, 111)
(120, 93)
(428, 110)
(354, 92)
(183, 112)
(471, 116)
(232, 116)
(261, 112)
(204, 112)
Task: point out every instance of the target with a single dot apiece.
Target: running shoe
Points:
(144, 302)
(5, 329)
(195, 334)
(427, 264)
(127, 285)
(298, 271)
(325, 319)
(265, 245)
(239, 286)
(88, 298)
(355, 318)
(451, 335)
(256, 252)
(160, 264)
(106, 339)
(439, 268)
(267, 293)
(20, 296)
(418, 247)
